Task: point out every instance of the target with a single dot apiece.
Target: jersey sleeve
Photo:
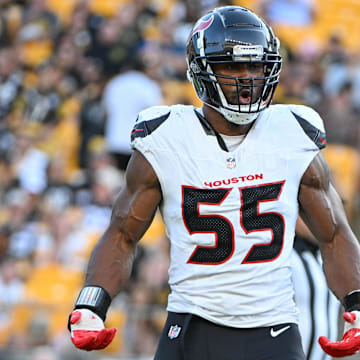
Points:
(311, 123)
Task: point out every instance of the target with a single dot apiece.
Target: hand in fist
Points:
(350, 343)
(88, 331)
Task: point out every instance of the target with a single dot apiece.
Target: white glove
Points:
(88, 331)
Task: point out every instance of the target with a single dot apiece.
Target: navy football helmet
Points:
(233, 34)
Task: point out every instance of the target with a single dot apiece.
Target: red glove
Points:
(350, 343)
(88, 331)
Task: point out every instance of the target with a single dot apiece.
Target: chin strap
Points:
(238, 118)
(235, 117)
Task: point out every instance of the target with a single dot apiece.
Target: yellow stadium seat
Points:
(344, 162)
(35, 52)
(21, 315)
(106, 8)
(49, 296)
(250, 4)
(155, 232)
(179, 92)
(63, 9)
(117, 319)
(53, 285)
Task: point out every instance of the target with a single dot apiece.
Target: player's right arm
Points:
(111, 260)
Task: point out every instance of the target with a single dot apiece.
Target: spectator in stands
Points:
(28, 161)
(11, 292)
(124, 96)
(11, 78)
(115, 41)
(334, 60)
(11, 286)
(342, 120)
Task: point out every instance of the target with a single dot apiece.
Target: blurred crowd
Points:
(73, 76)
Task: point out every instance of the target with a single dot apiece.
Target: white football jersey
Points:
(230, 216)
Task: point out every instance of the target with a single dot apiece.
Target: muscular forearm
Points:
(133, 210)
(341, 261)
(111, 261)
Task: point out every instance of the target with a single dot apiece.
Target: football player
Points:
(230, 179)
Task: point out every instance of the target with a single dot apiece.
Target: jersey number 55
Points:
(250, 219)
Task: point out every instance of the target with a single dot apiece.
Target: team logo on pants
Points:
(174, 331)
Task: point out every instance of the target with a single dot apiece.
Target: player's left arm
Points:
(322, 210)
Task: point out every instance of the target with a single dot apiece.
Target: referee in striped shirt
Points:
(319, 309)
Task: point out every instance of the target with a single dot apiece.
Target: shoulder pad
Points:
(153, 112)
(311, 123)
(149, 120)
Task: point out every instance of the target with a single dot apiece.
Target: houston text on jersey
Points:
(234, 180)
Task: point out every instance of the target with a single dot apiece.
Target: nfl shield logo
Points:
(231, 162)
(174, 331)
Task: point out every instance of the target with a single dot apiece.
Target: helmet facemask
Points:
(260, 89)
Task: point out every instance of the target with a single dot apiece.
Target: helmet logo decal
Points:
(203, 25)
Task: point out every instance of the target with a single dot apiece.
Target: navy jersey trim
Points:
(145, 128)
(209, 130)
(316, 135)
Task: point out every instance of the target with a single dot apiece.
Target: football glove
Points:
(350, 343)
(88, 331)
